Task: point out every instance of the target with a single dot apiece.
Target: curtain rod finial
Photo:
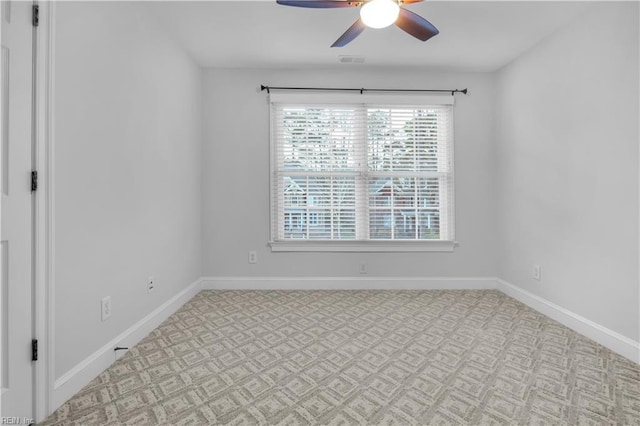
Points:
(464, 91)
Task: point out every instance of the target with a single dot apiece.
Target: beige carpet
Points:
(360, 357)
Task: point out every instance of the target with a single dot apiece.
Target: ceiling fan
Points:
(374, 14)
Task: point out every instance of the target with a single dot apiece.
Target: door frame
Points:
(42, 42)
(44, 377)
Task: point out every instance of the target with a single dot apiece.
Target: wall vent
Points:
(351, 59)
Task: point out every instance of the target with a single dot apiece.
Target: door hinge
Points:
(34, 180)
(35, 15)
(34, 349)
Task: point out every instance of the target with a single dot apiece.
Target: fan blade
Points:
(354, 31)
(319, 4)
(416, 25)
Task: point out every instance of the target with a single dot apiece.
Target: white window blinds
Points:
(362, 171)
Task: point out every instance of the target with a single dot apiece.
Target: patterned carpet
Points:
(360, 357)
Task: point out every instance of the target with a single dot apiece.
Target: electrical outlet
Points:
(253, 257)
(363, 268)
(150, 285)
(536, 272)
(105, 308)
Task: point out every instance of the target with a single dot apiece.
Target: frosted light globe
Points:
(379, 13)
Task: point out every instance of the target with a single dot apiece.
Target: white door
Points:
(16, 231)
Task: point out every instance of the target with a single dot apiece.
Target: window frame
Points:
(369, 245)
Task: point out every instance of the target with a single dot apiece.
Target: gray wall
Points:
(236, 177)
(546, 172)
(127, 172)
(567, 182)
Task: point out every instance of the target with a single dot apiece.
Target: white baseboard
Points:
(79, 376)
(618, 343)
(348, 283)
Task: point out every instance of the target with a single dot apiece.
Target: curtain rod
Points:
(362, 90)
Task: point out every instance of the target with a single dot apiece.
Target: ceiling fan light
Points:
(379, 13)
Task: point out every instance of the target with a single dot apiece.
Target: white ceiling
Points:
(474, 35)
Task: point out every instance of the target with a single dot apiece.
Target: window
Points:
(370, 172)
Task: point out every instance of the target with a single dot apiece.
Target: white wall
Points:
(127, 172)
(567, 151)
(133, 185)
(236, 177)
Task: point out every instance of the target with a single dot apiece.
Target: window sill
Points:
(363, 246)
